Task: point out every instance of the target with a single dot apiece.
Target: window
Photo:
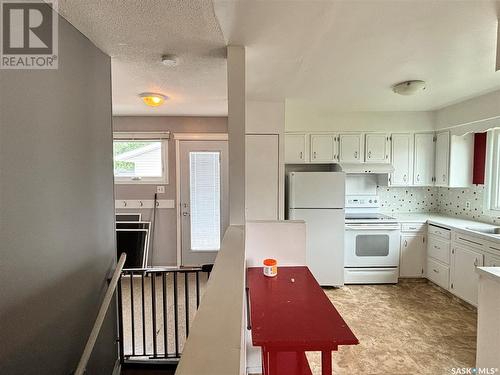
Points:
(493, 176)
(205, 200)
(140, 159)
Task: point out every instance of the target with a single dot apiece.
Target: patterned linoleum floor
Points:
(408, 328)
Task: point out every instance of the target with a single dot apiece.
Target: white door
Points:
(203, 199)
(412, 260)
(423, 172)
(296, 148)
(323, 148)
(351, 148)
(377, 148)
(442, 159)
(262, 176)
(464, 278)
(402, 159)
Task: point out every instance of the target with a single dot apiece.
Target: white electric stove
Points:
(371, 251)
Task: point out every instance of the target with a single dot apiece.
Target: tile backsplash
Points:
(407, 199)
(446, 201)
(453, 202)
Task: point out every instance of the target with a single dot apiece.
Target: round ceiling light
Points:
(169, 60)
(408, 87)
(153, 99)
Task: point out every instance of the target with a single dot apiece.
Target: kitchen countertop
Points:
(449, 222)
(491, 272)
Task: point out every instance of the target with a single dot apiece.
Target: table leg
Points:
(265, 361)
(273, 363)
(326, 362)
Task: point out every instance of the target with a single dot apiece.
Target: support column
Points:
(236, 129)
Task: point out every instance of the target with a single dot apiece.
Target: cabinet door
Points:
(296, 148)
(464, 280)
(323, 148)
(423, 172)
(377, 148)
(402, 159)
(412, 260)
(442, 159)
(262, 176)
(351, 148)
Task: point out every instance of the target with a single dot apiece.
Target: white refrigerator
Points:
(318, 198)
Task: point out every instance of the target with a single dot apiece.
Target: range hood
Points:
(374, 168)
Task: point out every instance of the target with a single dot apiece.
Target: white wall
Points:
(305, 116)
(474, 110)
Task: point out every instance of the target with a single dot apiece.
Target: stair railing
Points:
(82, 364)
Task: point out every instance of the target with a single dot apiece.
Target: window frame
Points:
(492, 181)
(162, 137)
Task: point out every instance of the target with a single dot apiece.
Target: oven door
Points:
(371, 245)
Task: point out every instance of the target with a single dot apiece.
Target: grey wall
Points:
(57, 242)
(164, 253)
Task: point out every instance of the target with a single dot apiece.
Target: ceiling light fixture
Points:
(169, 60)
(408, 87)
(153, 99)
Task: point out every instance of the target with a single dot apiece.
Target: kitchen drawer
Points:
(469, 241)
(438, 273)
(438, 249)
(413, 227)
(440, 232)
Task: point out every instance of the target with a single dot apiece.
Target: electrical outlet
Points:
(467, 205)
(160, 189)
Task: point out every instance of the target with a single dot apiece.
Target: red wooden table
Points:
(290, 314)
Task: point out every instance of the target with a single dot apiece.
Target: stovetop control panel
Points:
(362, 201)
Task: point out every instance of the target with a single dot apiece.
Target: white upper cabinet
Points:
(377, 148)
(402, 159)
(296, 148)
(442, 159)
(423, 171)
(323, 148)
(351, 148)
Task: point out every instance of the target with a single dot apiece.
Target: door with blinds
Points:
(204, 199)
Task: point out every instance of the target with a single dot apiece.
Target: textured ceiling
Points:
(345, 55)
(135, 33)
(342, 55)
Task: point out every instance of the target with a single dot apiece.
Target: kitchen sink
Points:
(487, 230)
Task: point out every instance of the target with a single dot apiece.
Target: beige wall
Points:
(166, 225)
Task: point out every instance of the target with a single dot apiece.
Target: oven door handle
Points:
(371, 227)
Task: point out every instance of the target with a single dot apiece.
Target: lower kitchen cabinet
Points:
(463, 278)
(412, 257)
(438, 273)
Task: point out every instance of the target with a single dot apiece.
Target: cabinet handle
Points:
(369, 154)
(355, 154)
(418, 177)
(412, 228)
(314, 154)
(406, 243)
(444, 178)
(475, 262)
(404, 178)
(435, 270)
(300, 155)
(436, 247)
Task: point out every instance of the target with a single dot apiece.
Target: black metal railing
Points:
(156, 307)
